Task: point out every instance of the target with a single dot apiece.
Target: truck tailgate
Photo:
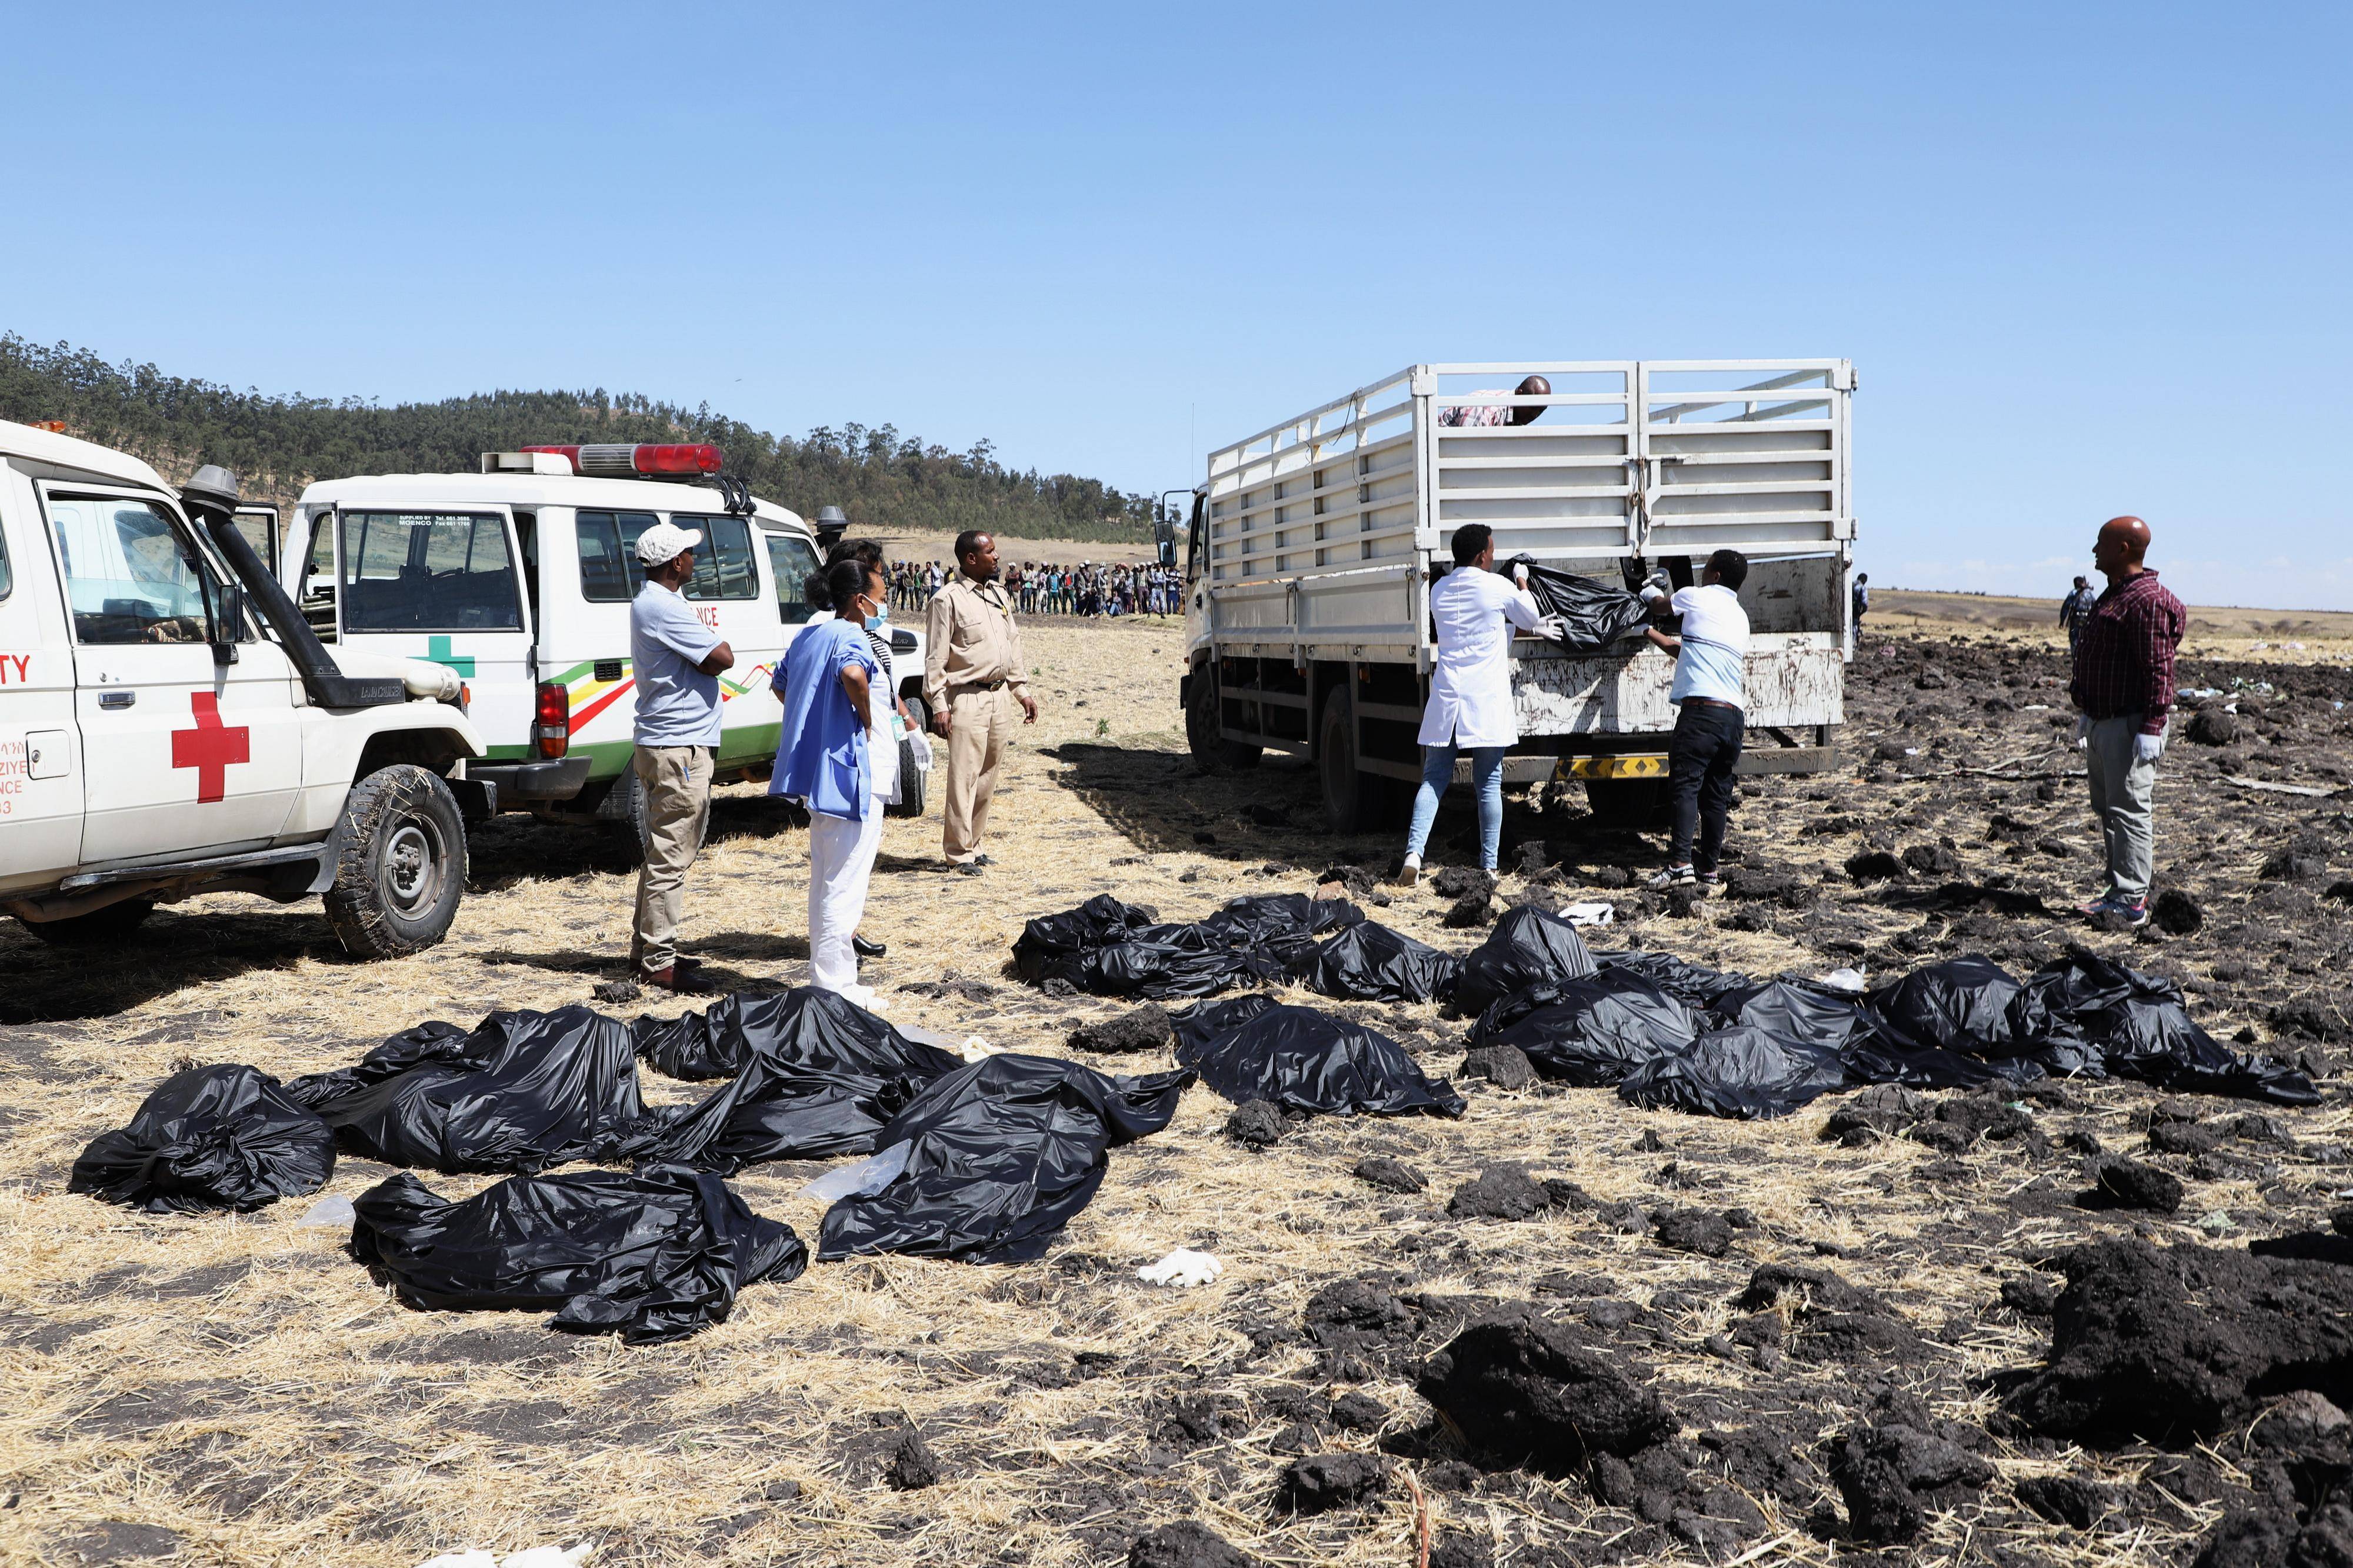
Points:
(1795, 679)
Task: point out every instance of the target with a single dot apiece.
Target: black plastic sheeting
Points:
(817, 1077)
(1368, 962)
(652, 1256)
(1594, 1031)
(1675, 1035)
(519, 1092)
(1593, 614)
(1001, 1155)
(1528, 947)
(209, 1138)
(1254, 1047)
(1111, 949)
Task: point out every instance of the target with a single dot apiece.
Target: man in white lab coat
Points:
(1469, 707)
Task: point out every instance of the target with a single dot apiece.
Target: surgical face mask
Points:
(881, 614)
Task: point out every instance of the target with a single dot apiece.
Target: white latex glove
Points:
(2083, 731)
(1520, 575)
(2148, 748)
(1183, 1267)
(1553, 627)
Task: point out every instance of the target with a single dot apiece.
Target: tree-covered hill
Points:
(277, 445)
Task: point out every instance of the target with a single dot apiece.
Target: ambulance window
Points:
(608, 553)
(722, 567)
(792, 561)
(317, 593)
(527, 541)
(420, 572)
(7, 579)
(130, 576)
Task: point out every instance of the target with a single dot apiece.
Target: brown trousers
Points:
(980, 726)
(676, 781)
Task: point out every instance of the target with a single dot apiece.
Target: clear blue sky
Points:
(2087, 258)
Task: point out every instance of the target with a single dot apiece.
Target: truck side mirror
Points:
(228, 630)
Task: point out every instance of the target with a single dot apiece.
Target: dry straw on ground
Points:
(238, 1390)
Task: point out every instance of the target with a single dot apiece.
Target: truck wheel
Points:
(911, 779)
(1626, 802)
(99, 928)
(403, 866)
(1353, 801)
(1212, 753)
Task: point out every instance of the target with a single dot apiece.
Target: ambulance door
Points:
(188, 730)
(730, 592)
(40, 760)
(443, 584)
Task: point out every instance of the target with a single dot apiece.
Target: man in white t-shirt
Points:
(1711, 660)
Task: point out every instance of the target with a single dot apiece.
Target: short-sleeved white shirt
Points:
(1714, 662)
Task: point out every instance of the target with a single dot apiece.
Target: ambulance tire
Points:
(99, 928)
(401, 870)
(623, 815)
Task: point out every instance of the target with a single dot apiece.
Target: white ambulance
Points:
(169, 726)
(519, 577)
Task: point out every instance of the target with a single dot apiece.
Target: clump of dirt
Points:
(1188, 1544)
(1505, 1066)
(1389, 1175)
(1325, 1481)
(2180, 1345)
(912, 1466)
(1146, 1029)
(2122, 1184)
(1500, 1192)
(1703, 1231)
(1256, 1125)
(1525, 1388)
(1899, 1464)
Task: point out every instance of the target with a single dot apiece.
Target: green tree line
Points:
(278, 444)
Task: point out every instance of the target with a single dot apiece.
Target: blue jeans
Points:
(1486, 779)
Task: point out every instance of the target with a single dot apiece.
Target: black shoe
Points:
(967, 869)
(984, 860)
(865, 949)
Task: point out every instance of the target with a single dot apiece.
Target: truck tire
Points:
(1353, 801)
(623, 817)
(1212, 753)
(1626, 802)
(911, 779)
(402, 868)
(99, 928)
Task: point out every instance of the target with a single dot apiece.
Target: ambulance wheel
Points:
(99, 928)
(911, 779)
(402, 868)
(623, 817)
(1212, 753)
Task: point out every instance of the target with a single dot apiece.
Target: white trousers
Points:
(841, 862)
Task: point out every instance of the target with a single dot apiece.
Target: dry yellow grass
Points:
(241, 1384)
(2215, 631)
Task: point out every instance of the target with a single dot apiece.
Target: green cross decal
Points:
(436, 651)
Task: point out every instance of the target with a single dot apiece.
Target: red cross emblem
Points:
(210, 747)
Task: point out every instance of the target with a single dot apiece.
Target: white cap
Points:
(664, 541)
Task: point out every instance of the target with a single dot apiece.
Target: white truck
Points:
(1312, 547)
(519, 577)
(169, 725)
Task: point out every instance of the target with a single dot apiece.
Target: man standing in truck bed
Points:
(1711, 661)
(972, 676)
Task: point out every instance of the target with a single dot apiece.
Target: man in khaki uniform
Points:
(973, 675)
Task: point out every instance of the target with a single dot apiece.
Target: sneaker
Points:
(1672, 877)
(2134, 910)
(1711, 880)
(1409, 872)
(2097, 907)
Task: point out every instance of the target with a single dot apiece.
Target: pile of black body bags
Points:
(986, 1160)
(1665, 1033)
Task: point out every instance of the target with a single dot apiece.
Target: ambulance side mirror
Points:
(229, 629)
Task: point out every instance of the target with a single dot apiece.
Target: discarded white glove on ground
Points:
(1183, 1267)
(1589, 914)
(975, 1049)
(536, 1557)
(2148, 748)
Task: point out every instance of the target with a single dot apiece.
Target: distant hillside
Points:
(277, 445)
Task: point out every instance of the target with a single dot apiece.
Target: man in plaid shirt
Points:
(2123, 689)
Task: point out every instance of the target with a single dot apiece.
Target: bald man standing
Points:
(2123, 689)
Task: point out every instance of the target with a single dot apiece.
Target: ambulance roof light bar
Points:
(614, 461)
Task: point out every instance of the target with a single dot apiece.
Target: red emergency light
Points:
(644, 460)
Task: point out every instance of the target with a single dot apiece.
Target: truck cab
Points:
(519, 578)
(167, 729)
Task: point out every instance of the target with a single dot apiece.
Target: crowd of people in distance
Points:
(1048, 588)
